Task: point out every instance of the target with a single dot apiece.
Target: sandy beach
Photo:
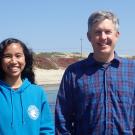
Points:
(48, 77)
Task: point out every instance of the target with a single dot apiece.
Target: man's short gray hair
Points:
(100, 16)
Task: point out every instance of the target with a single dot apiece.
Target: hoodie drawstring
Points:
(12, 107)
(22, 108)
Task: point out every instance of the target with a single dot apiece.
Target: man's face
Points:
(103, 37)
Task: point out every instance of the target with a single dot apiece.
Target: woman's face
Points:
(13, 61)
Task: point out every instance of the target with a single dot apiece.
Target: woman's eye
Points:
(19, 55)
(7, 56)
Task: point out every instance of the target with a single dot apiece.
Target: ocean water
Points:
(51, 91)
(52, 99)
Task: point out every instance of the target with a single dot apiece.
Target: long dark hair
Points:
(28, 70)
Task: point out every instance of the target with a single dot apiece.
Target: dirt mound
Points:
(54, 60)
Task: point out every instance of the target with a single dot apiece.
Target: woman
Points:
(24, 108)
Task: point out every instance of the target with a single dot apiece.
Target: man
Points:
(97, 95)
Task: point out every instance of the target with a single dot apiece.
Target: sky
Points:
(61, 25)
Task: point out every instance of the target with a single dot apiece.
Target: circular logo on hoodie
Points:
(33, 112)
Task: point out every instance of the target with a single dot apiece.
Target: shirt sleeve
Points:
(47, 123)
(64, 106)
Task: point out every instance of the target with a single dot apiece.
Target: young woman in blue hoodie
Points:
(24, 108)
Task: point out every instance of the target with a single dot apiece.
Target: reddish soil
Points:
(53, 62)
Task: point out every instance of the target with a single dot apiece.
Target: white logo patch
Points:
(33, 112)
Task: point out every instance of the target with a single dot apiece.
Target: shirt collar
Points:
(115, 62)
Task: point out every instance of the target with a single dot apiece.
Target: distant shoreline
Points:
(50, 86)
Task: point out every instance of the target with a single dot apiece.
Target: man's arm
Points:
(64, 107)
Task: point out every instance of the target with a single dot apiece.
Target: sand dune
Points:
(47, 77)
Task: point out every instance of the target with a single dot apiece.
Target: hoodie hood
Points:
(13, 96)
(7, 87)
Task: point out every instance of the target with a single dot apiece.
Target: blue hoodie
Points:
(24, 111)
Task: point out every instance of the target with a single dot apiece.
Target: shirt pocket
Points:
(89, 101)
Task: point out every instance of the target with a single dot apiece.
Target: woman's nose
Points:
(13, 60)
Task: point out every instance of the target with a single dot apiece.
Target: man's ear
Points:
(118, 34)
(89, 36)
